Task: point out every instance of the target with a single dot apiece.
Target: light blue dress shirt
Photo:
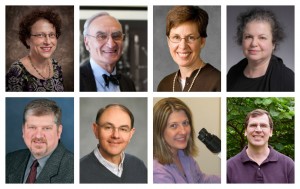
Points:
(98, 71)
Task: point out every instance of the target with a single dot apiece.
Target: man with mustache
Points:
(46, 160)
(258, 162)
(103, 38)
(108, 163)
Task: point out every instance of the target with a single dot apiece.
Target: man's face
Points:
(258, 131)
(104, 52)
(113, 132)
(41, 134)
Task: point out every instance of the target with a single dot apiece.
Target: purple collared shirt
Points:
(277, 168)
(169, 173)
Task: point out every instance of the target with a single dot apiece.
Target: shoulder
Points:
(87, 158)
(17, 154)
(166, 83)
(16, 68)
(210, 68)
(85, 65)
(234, 160)
(133, 159)
(283, 158)
(126, 83)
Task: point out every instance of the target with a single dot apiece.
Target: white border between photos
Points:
(76, 94)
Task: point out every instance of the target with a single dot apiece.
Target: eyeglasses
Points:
(103, 37)
(110, 129)
(255, 126)
(44, 35)
(188, 39)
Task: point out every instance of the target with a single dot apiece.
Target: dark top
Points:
(92, 171)
(88, 83)
(209, 79)
(277, 168)
(59, 168)
(277, 78)
(19, 79)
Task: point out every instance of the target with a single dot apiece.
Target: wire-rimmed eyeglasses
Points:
(44, 35)
(103, 37)
(188, 39)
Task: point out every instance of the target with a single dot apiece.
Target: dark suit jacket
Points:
(88, 83)
(59, 168)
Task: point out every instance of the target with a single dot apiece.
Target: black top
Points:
(278, 77)
(92, 171)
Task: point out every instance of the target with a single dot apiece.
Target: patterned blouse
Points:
(19, 79)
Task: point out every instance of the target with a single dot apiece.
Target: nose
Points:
(258, 128)
(182, 129)
(110, 42)
(47, 39)
(115, 133)
(39, 133)
(254, 42)
(183, 43)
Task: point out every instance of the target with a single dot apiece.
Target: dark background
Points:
(64, 52)
(133, 63)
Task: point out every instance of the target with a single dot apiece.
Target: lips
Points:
(183, 54)
(109, 51)
(46, 49)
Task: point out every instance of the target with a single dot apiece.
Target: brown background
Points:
(64, 53)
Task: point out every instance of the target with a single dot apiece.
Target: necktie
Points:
(32, 174)
(111, 78)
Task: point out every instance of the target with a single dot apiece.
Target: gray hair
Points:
(90, 20)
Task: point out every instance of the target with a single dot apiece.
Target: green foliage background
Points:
(282, 111)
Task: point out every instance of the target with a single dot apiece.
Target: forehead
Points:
(188, 27)
(106, 24)
(42, 23)
(177, 116)
(259, 119)
(115, 114)
(258, 26)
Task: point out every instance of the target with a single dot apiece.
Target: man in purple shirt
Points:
(258, 162)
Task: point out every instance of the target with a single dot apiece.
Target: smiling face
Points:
(105, 53)
(113, 132)
(177, 131)
(42, 47)
(257, 41)
(258, 131)
(183, 53)
(41, 134)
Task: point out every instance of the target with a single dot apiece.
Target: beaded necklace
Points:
(38, 71)
(192, 81)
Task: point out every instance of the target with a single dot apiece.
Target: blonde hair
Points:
(161, 112)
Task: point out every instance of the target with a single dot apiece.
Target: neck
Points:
(39, 63)
(115, 159)
(256, 68)
(107, 67)
(188, 70)
(258, 154)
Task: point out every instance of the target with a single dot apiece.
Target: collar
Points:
(272, 157)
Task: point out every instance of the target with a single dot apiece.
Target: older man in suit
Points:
(103, 38)
(46, 160)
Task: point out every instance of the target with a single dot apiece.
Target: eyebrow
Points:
(111, 124)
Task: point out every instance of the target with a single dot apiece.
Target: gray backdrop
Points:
(285, 50)
(88, 110)
(163, 63)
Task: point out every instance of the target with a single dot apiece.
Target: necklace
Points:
(192, 81)
(49, 72)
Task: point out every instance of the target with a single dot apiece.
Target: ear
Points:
(271, 132)
(95, 130)
(203, 42)
(86, 43)
(131, 133)
(59, 130)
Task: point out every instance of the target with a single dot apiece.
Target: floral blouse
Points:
(19, 79)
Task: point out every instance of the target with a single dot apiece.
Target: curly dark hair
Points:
(180, 14)
(259, 14)
(27, 22)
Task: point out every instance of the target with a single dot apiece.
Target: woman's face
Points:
(183, 53)
(257, 41)
(43, 39)
(177, 131)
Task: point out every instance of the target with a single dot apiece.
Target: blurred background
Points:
(133, 63)
(64, 52)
